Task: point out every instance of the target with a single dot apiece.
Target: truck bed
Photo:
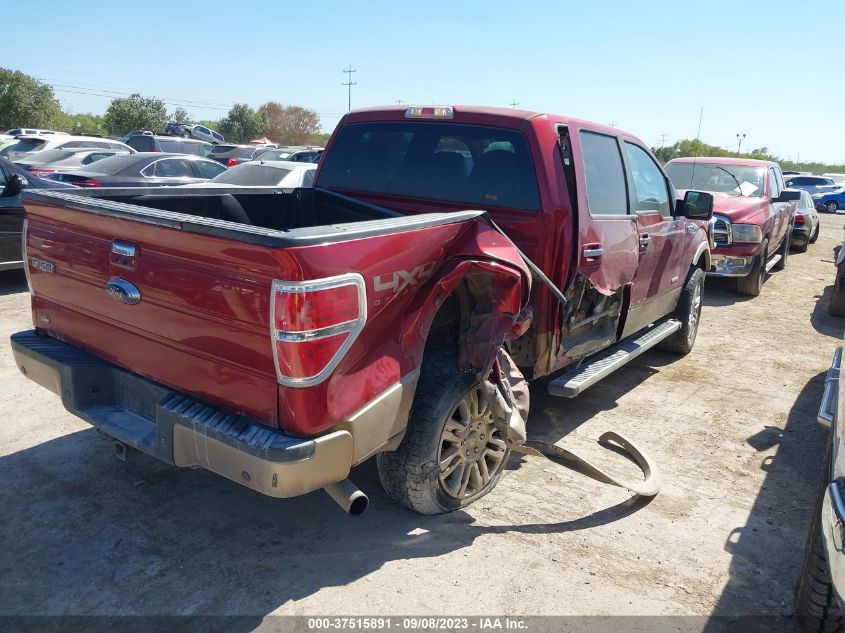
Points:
(259, 215)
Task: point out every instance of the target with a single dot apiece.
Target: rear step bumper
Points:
(178, 429)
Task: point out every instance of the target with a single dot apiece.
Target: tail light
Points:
(313, 324)
(86, 182)
(231, 162)
(798, 218)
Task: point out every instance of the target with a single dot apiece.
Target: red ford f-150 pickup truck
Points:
(280, 337)
(752, 220)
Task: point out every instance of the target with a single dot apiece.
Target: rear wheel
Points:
(451, 454)
(831, 206)
(816, 607)
(752, 284)
(802, 247)
(836, 307)
(815, 234)
(688, 313)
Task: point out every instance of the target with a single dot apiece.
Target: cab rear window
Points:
(475, 165)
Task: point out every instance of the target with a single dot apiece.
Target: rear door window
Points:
(604, 173)
(141, 143)
(174, 168)
(208, 168)
(173, 146)
(474, 165)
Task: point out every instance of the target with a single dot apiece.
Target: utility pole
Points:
(399, 101)
(349, 83)
(514, 103)
(663, 140)
(739, 138)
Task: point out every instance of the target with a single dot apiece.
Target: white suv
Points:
(27, 145)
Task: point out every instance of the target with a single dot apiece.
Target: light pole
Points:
(739, 139)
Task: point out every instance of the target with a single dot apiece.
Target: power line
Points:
(349, 83)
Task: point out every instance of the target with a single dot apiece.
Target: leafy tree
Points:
(180, 115)
(25, 101)
(81, 123)
(135, 113)
(695, 147)
(241, 125)
(289, 125)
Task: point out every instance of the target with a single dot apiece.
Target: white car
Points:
(27, 145)
(271, 173)
(26, 131)
(50, 161)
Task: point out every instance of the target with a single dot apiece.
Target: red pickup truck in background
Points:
(752, 220)
(280, 337)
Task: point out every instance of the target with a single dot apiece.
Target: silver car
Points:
(50, 161)
(260, 173)
(805, 222)
(203, 133)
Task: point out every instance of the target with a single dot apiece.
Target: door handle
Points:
(645, 240)
(593, 252)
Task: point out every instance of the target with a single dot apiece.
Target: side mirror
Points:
(696, 205)
(788, 196)
(13, 187)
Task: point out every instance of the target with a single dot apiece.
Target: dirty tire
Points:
(836, 307)
(815, 234)
(410, 475)
(752, 284)
(802, 247)
(688, 313)
(816, 607)
(783, 251)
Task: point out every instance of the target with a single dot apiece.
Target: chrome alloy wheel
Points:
(472, 450)
(694, 314)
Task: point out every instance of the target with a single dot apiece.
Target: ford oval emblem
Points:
(123, 291)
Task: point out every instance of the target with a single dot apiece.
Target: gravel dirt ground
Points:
(732, 427)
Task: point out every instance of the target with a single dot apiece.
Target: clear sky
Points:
(773, 70)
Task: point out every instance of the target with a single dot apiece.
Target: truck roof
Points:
(503, 117)
(724, 160)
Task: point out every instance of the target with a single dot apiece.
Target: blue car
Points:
(831, 201)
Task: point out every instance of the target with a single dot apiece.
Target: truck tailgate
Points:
(202, 325)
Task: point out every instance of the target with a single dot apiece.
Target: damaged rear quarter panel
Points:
(408, 276)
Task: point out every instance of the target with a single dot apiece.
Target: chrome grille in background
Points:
(720, 229)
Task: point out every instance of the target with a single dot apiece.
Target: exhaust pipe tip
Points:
(348, 496)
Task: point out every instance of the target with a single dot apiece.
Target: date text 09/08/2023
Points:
(417, 623)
